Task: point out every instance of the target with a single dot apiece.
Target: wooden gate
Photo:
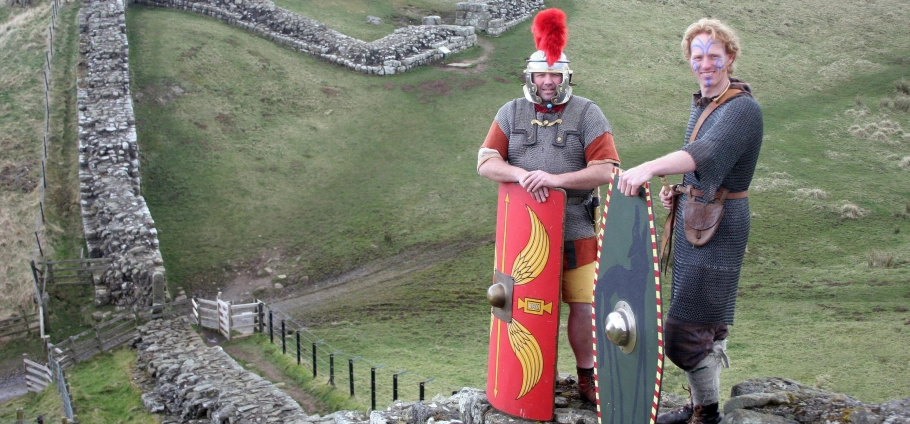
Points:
(223, 316)
(37, 376)
(71, 272)
(205, 313)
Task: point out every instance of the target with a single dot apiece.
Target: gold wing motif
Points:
(529, 355)
(532, 259)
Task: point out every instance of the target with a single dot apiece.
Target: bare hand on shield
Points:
(631, 181)
(537, 183)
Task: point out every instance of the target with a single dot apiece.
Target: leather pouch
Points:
(702, 219)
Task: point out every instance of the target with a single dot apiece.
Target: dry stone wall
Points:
(401, 51)
(115, 217)
(190, 382)
(495, 16)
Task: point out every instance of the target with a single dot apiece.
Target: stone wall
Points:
(495, 16)
(188, 381)
(115, 217)
(401, 51)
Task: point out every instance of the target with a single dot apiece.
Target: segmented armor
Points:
(555, 143)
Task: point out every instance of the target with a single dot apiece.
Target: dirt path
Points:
(382, 271)
(252, 358)
(12, 384)
(472, 66)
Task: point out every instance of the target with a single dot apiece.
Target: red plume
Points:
(550, 33)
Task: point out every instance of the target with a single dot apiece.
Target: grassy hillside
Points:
(251, 151)
(23, 44)
(22, 47)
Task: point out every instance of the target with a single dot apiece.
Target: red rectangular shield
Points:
(524, 327)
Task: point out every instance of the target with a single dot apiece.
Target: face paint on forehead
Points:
(702, 45)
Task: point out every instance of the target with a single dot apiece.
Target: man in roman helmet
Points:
(552, 139)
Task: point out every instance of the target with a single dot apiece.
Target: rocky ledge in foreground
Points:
(188, 382)
(769, 400)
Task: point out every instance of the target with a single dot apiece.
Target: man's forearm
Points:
(500, 171)
(585, 179)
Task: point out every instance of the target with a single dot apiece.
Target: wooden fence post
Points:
(230, 319)
(39, 300)
(73, 350)
(28, 329)
(98, 339)
(261, 317)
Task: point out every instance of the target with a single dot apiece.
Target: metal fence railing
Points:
(346, 371)
(40, 218)
(63, 388)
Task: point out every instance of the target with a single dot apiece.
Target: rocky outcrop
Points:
(401, 51)
(774, 400)
(115, 217)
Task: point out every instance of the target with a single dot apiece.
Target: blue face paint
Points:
(699, 45)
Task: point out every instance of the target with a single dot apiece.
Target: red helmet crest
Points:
(550, 33)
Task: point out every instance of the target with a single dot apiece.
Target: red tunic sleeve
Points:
(601, 150)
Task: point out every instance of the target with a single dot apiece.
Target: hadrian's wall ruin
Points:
(495, 16)
(401, 51)
(116, 219)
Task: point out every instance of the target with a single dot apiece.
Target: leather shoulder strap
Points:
(707, 112)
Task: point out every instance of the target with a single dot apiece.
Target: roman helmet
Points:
(550, 37)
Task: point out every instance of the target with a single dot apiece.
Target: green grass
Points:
(46, 404)
(267, 152)
(441, 328)
(23, 45)
(103, 392)
(292, 135)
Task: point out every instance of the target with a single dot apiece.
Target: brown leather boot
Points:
(705, 414)
(678, 416)
(586, 384)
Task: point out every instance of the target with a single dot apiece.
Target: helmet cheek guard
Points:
(537, 63)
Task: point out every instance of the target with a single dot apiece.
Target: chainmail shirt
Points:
(705, 279)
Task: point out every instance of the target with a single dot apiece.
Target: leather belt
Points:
(580, 200)
(738, 195)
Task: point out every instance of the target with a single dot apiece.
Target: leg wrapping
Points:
(704, 379)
